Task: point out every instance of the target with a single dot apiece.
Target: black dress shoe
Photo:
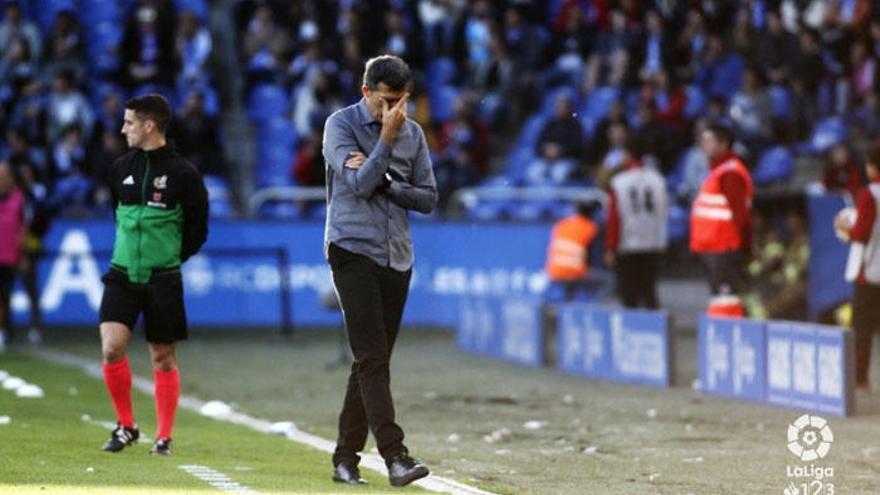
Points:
(403, 470)
(346, 472)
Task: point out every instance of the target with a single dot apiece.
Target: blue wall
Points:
(452, 260)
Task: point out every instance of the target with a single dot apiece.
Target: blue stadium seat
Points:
(273, 165)
(825, 135)
(46, 10)
(267, 101)
(781, 99)
(549, 102)
(517, 162)
(442, 102)
(695, 101)
(440, 72)
(94, 12)
(198, 7)
(279, 130)
(599, 101)
(103, 37)
(775, 165)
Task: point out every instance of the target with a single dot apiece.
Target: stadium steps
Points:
(237, 141)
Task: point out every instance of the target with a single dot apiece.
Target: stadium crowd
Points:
(553, 88)
(67, 68)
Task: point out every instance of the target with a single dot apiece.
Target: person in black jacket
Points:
(161, 208)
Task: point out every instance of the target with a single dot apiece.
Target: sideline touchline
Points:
(433, 483)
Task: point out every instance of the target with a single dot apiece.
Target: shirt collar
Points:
(366, 117)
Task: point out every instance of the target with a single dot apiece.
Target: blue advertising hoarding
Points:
(615, 344)
(509, 329)
(732, 358)
(810, 367)
(828, 255)
(228, 289)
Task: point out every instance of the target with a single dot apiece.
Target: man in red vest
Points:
(720, 227)
(568, 252)
(863, 268)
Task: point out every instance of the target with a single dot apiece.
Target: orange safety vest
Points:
(567, 253)
(712, 227)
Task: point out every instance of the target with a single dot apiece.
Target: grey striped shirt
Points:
(361, 218)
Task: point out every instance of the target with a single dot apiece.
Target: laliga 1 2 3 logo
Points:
(810, 438)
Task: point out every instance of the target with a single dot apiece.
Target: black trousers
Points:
(865, 322)
(372, 299)
(637, 279)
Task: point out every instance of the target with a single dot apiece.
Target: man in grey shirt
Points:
(378, 168)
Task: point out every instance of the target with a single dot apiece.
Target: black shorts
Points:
(160, 300)
(726, 272)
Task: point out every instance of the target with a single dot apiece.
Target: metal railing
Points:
(284, 193)
(468, 197)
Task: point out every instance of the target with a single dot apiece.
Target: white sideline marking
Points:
(217, 479)
(370, 461)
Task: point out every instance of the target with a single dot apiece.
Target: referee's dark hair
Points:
(721, 132)
(153, 107)
(388, 69)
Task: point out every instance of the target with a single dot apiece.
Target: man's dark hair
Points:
(154, 107)
(388, 69)
(721, 132)
(587, 207)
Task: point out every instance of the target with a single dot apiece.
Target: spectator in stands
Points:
(194, 46)
(842, 174)
(148, 54)
(317, 96)
(102, 154)
(196, 135)
(560, 145)
(866, 275)
(73, 188)
(15, 25)
(462, 152)
(654, 48)
(21, 152)
(777, 50)
(308, 168)
(599, 143)
(691, 44)
(611, 55)
(720, 222)
(671, 100)
(38, 217)
(29, 111)
(18, 61)
(655, 140)
(309, 65)
(694, 165)
(523, 41)
(618, 137)
(569, 49)
(478, 33)
(635, 235)
(401, 40)
(569, 248)
(64, 46)
(863, 75)
(751, 110)
(721, 71)
(807, 72)
(12, 231)
(67, 107)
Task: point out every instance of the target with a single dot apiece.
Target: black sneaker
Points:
(403, 470)
(121, 438)
(161, 447)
